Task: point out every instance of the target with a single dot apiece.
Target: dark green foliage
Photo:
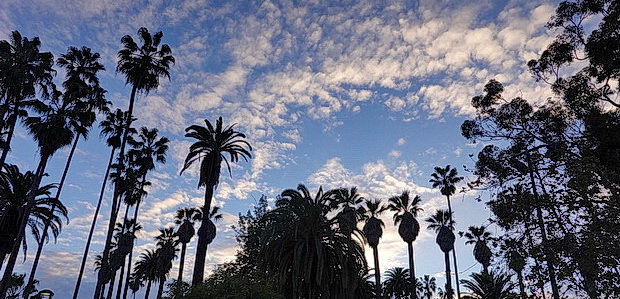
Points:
(491, 285)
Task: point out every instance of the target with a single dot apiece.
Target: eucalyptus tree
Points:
(85, 95)
(373, 231)
(212, 143)
(112, 128)
(443, 225)
(23, 69)
(304, 249)
(405, 210)
(479, 236)
(445, 179)
(185, 219)
(142, 66)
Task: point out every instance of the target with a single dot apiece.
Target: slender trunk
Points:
(182, 262)
(129, 260)
(414, 289)
(8, 271)
(92, 227)
(160, 289)
(111, 286)
(375, 253)
(543, 232)
(7, 145)
(521, 285)
(148, 290)
(41, 242)
(119, 288)
(2, 256)
(201, 247)
(456, 269)
(448, 276)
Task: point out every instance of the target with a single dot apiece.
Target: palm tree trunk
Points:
(92, 226)
(181, 263)
(414, 293)
(201, 247)
(160, 289)
(129, 260)
(448, 275)
(375, 253)
(7, 145)
(119, 288)
(111, 286)
(41, 242)
(543, 232)
(8, 271)
(148, 290)
(456, 269)
(116, 197)
(521, 285)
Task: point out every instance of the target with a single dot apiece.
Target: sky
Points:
(329, 93)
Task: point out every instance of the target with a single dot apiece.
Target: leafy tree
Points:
(210, 146)
(373, 231)
(489, 285)
(443, 225)
(405, 210)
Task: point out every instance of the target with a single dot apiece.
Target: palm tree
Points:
(487, 285)
(405, 210)
(303, 247)
(142, 66)
(446, 178)
(146, 269)
(348, 200)
(166, 248)
(134, 284)
(52, 131)
(482, 253)
(112, 128)
(210, 146)
(185, 219)
(516, 262)
(397, 283)
(14, 190)
(429, 286)
(443, 225)
(373, 231)
(82, 90)
(23, 68)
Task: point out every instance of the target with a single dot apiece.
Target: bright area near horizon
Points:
(353, 93)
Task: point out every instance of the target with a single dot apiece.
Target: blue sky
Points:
(338, 94)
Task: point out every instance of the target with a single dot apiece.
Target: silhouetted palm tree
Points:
(142, 66)
(443, 225)
(185, 219)
(482, 253)
(406, 209)
(86, 98)
(373, 231)
(429, 286)
(446, 178)
(146, 269)
(166, 248)
(397, 283)
(23, 69)
(112, 128)
(490, 286)
(210, 146)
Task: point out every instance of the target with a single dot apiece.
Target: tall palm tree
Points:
(166, 248)
(23, 68)
(445, 179)
(52, 131)
(348, 200)
(185, 219)
(146, 269)
(397, 283)
(429, 286)
(82, 90)
(147, 149)
(405, 210)
(373, 231)
(443, 225)
(303, 247)
(112, 128)
(210, 146)
(482, 253)
(142, 66)
(14, 190)
(490, 286)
